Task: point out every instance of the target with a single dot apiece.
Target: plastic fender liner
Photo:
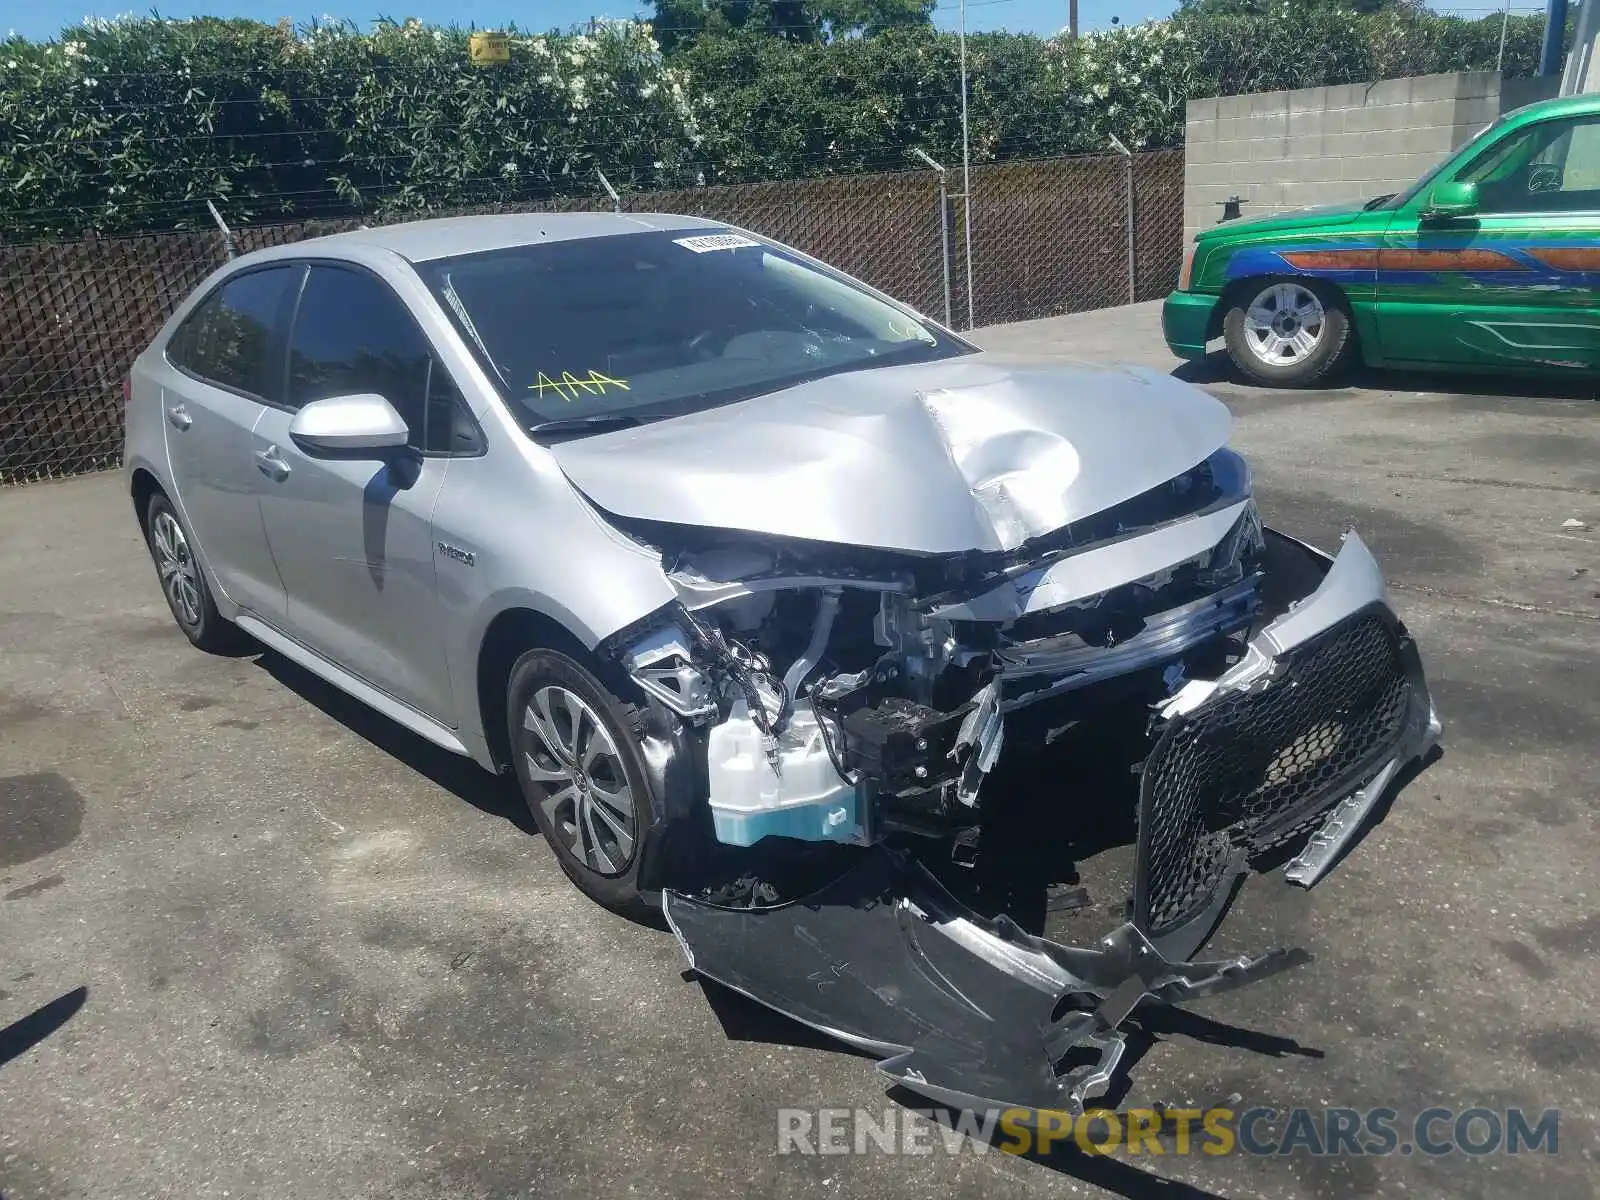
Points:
(964, 1010)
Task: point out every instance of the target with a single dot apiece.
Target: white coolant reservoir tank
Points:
(805, 798)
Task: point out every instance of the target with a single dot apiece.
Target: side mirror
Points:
(1452, 200)
(349, 426)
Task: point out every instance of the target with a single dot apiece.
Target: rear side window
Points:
(229, 340)
(353, 335)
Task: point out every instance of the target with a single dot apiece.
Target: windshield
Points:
(594, 332)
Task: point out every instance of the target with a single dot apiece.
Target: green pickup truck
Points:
(1490, 262)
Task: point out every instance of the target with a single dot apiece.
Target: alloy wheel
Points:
(583, 787)
(180, 576)
(1283, 325)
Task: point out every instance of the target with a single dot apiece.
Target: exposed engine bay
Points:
(851, 695)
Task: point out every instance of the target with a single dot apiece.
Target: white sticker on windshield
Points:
(715, 241)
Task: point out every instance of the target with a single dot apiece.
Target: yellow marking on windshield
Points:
(569, 385)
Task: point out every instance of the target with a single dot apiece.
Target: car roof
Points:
(1559, 106)
(445, 237)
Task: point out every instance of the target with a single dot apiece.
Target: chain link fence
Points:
(1050, 236)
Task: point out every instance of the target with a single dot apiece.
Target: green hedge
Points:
(131, 125)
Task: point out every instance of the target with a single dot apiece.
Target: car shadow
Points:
(23, 1034)
(496, 795)
(1217, 368)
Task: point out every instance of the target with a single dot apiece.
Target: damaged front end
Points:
(862, 697)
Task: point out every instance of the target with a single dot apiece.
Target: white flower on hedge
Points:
(509, 169)
(647, 90)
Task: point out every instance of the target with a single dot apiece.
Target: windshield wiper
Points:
(593, 423)
(1378, 201)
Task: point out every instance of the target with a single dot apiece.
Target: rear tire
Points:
(575, 748)
(183, 580)
(1289, 332)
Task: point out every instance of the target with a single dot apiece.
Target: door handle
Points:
(270, 465)
(179, 416)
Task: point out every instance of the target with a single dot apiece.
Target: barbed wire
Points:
(362, 198)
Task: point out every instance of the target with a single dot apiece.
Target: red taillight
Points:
(127, 388)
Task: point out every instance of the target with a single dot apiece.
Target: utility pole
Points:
(1072, 19)
(1555, 27)
(1583, 72)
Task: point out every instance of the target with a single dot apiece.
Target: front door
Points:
(1516, 285)
(223, 363)
(352, 536)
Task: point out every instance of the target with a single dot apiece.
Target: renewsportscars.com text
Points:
(1180, 1132)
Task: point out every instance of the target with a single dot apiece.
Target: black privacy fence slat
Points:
(1048, 237)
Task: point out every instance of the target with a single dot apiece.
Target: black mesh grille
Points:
(1250, 770)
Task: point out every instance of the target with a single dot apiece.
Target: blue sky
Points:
(42, 18)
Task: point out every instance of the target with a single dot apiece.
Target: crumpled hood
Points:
(970, 453)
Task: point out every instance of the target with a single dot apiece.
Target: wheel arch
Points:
(511, 633)
(142, 485)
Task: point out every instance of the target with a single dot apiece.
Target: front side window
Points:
(353, 335)
(1553, 166)
(648, 325)
(229, 339)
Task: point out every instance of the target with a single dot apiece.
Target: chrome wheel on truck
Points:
(1288, 332)
(1284, 324)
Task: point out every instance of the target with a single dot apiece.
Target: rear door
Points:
(1518, 284)
(353, 536)
(226, 361)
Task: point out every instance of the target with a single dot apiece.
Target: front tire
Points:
(1289, 332)
(575, 746)
(183, 581)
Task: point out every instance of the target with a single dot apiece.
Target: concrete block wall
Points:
(1285, 150)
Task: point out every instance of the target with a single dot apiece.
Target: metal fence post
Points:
(227, 234)
(966, 166)
(616, 200)
(1127, 159)
(944, 229)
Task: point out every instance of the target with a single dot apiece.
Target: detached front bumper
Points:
(1303, 735)
(1185, 322)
